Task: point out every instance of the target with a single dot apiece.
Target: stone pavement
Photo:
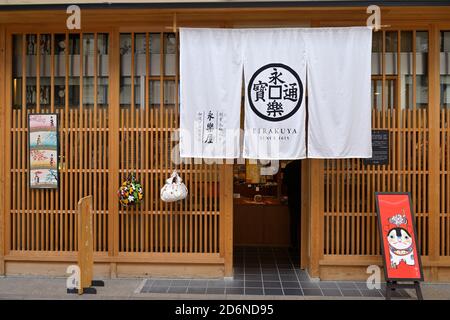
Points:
(124, 289)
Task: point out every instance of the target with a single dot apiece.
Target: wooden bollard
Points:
(85, 249)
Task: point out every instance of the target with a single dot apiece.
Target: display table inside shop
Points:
(262, 223)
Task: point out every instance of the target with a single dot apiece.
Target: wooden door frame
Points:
(3, 132)
(305, 217)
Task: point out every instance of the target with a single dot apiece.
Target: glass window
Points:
(60, 70)
(125, 69)
(421, 69)
(445, 69)
(17, 84)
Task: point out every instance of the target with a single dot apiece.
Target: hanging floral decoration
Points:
(130, 193)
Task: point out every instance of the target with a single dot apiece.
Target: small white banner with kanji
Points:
(275, 79)
(211, 82)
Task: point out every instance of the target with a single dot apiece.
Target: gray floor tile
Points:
(272, 277)
(253, 277)
(332, 292)
(288, 277)
(254, 291)
(238, 277)
(346, 285)
(290, 272)
(180, 283)
(148, 282)
(253, 284)
(309, 285)
(162, 282)
(328, 285)
(312, 292)
(177, 290)
(215, 290)
(196, 290)
(234, 284)
(351, 293)
(290, 284)
(216, 284)
(293, 292)
(238, 270)
(234, 291)
(273, 292)
(272, 284)
(361, 285)
(198, 283)
(252, 271)
(303, 277)
(371, 293)
(158, 289)
(285, 266)
(397, 294)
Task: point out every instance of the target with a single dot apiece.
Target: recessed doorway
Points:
(267, 211)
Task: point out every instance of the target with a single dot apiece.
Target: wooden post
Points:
(3, 128)
(6, 139)
(316, 210)
(113, 152)
(85, 249)
(305, 215)
(434, 148)
(85, 243)
(226, 216)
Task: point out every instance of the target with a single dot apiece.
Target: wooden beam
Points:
(434, 145)
(226, 215)
(6, 116)
(2, 146)
(316, 210)
(113, 149)
(305, 214)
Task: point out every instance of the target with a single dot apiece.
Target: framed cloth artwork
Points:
(397, 231)
(43, 155)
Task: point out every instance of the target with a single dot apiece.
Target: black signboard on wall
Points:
(380, 148)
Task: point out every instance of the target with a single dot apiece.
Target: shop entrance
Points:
(267, 211)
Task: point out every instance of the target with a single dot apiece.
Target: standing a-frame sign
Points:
(399, 246)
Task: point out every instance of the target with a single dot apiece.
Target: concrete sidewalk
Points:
(124, 289)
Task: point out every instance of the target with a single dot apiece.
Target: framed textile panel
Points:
(43, 143)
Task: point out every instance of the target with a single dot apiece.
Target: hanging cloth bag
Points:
(174, 189)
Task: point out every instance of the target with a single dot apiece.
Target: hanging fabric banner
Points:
(210, 85)
(339, 110)
(275, 73)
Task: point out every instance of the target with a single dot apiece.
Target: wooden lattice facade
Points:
(117, 117)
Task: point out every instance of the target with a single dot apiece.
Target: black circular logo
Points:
(275, 92)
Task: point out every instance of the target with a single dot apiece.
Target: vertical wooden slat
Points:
(159, 122)
(149, 124)
(434, 145)
(226, 216)
(68, 156)
(53, 195)
(24, 124)
(5, 103)
(316, 210)
(94, 166)
(415, 141)
(113, 143)
(305, 216)
(130, 136)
